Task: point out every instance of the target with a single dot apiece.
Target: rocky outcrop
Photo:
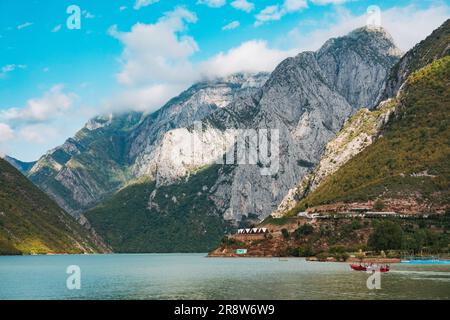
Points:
(112, 150)
(88, 166)
(305, 102)
(358, 133)
(365, 127)
(306, 99)
(154, 144)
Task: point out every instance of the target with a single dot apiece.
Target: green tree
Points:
(306, 251)
(387, 235)
(378, 205)
(285, 233)
(303, 230)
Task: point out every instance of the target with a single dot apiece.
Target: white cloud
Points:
(10, 68)
(144, 98)
(243, 5)
(52, 103)
(277, 11)
(232, 25)
(143, 3)
(250, 56)
(122, 8)
(325, 2)
(409, 25)
(57, 28)
(398, 21)
(155, 60)
(37, 133)
(24, 25)
(213, 3)
(157, 52)
(87, 14)
(6, 133)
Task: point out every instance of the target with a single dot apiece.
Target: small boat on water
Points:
(360, 267)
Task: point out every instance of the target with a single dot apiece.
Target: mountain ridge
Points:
(31, 223)
(299, 99)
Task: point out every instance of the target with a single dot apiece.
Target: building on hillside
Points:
(251, 234)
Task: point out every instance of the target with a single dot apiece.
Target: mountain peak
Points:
(367, 38)
(371, 29)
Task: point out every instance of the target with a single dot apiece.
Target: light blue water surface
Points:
(193, 276)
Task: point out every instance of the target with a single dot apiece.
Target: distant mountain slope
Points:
(112, 150)
(31, 223)
(88, 166)
(366, 126)
(410, 161)
(23, 167)
(435, 46)
(177, 218)
(307, 98)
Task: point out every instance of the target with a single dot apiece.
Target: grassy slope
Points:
(31, 223)
(188, 225)
(416, 140)
(434, 47)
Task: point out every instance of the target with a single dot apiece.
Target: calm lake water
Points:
(193, 276)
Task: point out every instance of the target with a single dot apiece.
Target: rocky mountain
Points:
(358, 133)
(406, 169)
(89, 166)
(306, 100)
(180, 217)
(31, 223)
(374, 142)
(435, 46)
(112, 150)
(304, 103)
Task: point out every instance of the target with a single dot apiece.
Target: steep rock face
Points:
(112, 150)
(407, 168)
(88, 166)
(303, 102)
(351, 64)
(150, 141)
(366, 126)
(358, 133)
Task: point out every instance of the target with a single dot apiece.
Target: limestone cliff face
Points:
(114, 149)
(154, 143)
(362, 130)
(307, 99)
(358, 133)
(88, 166)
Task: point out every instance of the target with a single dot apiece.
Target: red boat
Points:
(359, 267)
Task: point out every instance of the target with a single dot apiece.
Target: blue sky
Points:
(136, 54)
